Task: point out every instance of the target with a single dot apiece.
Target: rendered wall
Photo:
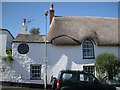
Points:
(8, 39)
(5, 43)
(59, 58)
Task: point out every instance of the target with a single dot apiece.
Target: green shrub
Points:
(9, 51)
(8, 58)
(4, 58)
(107, 63)
(99, 78)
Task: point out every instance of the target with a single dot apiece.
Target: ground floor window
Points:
(35, 71)
(89, 69)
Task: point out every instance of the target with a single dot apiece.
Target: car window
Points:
(70, 77)
(81, 77)
(66, 76)
(86, 78)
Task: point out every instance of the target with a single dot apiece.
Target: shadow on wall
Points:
(63, 64)
(60, 65)
(67, 62)
(21, 65)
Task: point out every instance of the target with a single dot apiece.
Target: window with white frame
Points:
(35, 71)
(89, 69)
(88, 49)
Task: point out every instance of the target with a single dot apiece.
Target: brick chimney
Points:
(51, 13)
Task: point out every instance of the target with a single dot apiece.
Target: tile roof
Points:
(29, 38)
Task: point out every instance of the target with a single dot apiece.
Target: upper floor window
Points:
(88, 49)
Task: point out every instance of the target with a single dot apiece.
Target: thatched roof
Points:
(74, 30)
(29, 38)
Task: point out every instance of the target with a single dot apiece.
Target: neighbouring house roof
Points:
(29, 38)
(74, 30)
(1, 29)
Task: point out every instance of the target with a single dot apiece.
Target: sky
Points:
(14, 12)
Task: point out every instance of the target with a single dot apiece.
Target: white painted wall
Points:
(5, 43)
(59, 58)
(8, 39)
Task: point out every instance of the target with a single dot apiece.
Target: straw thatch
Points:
(74, 30)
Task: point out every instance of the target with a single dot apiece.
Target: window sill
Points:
(36, 79)
(89, 58)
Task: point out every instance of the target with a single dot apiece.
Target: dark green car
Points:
(79, 80)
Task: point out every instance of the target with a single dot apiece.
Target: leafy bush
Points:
(99, 78)
(9, 51)
(8, 58)
(107, 63)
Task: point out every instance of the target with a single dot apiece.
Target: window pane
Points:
(35, 67)
(32, 67)
(33, 75)
(33, 71)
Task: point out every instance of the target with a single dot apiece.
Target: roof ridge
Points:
(85, 17)
(31, 34)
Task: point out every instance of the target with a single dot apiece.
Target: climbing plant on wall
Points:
(9, 57)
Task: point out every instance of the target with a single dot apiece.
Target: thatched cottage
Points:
(72, 43)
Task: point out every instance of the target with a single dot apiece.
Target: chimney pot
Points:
(51, 6)
(24, 21)
(24, 28)
(51, 13)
